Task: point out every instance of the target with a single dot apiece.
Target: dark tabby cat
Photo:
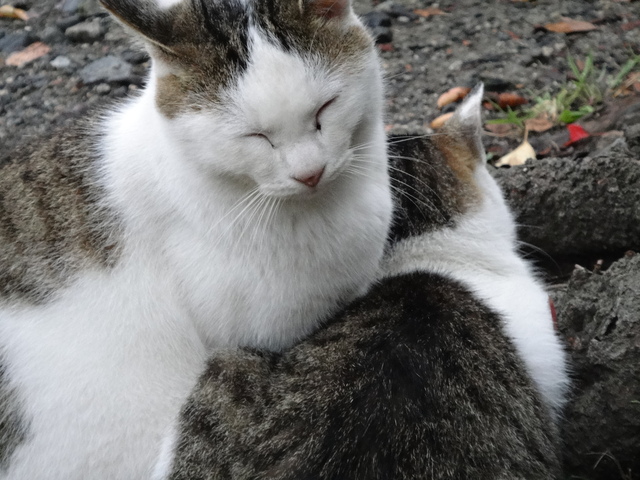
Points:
(449, 368)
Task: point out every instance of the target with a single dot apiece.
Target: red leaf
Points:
(576, 133)
(554, 315)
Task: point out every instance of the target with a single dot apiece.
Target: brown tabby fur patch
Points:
(433, 179)
(50, 221)
(205, 43)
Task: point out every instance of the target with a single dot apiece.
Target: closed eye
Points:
(322, 109)
(262, 136)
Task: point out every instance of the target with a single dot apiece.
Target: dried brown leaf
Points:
(518, 156)
(628, 85)
(507, 99)
(440, 121)
(452, 95)
(29, 54)
(9, 11)
(540, 123)
(569, 25)
(429, 11)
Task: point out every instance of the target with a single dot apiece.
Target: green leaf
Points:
(570, 116)
(624, 71)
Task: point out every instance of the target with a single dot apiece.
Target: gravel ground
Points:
(92, 62)
(475, 40)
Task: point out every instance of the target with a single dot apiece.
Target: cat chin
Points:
(293, 192)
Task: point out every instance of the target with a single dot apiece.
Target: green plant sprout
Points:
(575, 99)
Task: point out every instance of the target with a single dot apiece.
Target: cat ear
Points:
(463, 132)
(468, 115)
(330, 8)
(144, 17)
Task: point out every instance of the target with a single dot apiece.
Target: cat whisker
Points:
(426, 203)
(258, 227)
(256, 210)
(238, 204)
(408, 175)
(256, 198)
(533, 247)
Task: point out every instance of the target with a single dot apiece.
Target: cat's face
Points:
(277, 92)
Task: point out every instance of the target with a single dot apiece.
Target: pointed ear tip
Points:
(471, 105)
(476, 94)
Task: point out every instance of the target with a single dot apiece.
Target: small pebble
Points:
(60, 62)
(85, 32)
(13, 42)
(455, 65)
(376, 19)
(103, 88)
(106, 70)
(382, 35)
(547, 51)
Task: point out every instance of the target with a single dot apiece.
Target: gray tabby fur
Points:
(52, 220)
(13, 429)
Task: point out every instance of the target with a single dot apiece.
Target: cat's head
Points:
(442, 179)
(275, 91)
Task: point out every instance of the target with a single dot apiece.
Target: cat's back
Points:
(414, 381)
(53, 219)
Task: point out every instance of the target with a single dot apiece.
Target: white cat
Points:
(224, 206)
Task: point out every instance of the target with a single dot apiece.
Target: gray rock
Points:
(577, 206)
(90, 7)
(66, 22)
(86, 32)
(70, 6)
(13, 42)
(61, 62)
(632, 134)
(52, 34)
(85, 8)
(135, 57)
(376, 19)
(455, 65)
(108, 69)
(599, 315)
(382, 34)
(396, 10)
(103, 88)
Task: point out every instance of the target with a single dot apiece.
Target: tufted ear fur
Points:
(146, 18)
(460, 140)
(330, 8)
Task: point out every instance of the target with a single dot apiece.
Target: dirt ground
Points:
(580, 205)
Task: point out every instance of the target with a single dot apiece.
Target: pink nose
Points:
(311, 180)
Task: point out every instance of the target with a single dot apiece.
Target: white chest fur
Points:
(249, 270)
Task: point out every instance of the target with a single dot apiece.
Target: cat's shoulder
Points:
(53, 217)
(415, 377)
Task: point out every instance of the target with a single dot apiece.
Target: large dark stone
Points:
(599, 315)
(577, 206)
